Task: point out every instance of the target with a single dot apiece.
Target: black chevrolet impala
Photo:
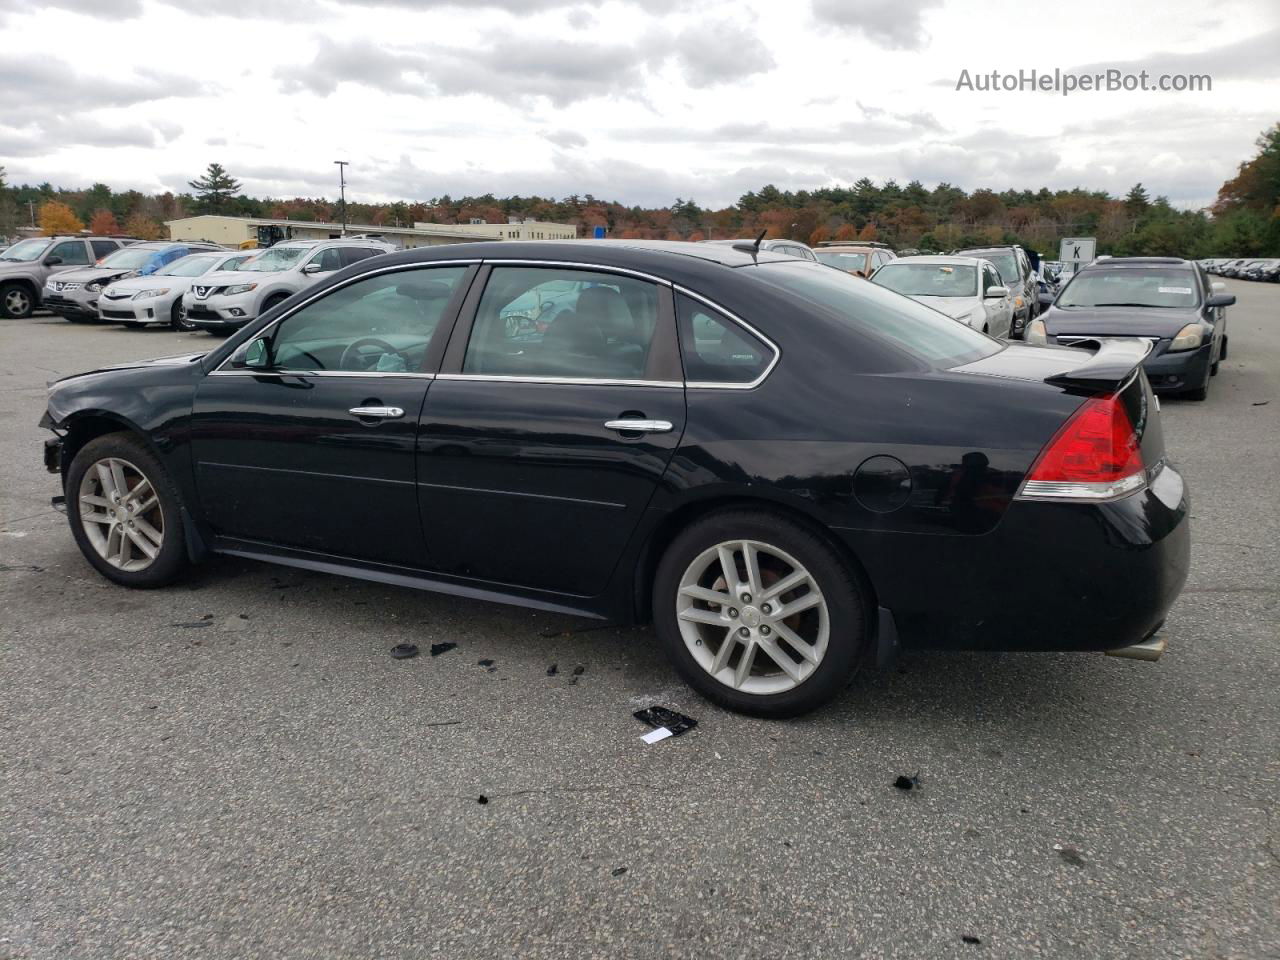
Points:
(791, 471)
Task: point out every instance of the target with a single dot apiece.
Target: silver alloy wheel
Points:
(753, 617)
(16, 302)
(120, 514)
(180, 316)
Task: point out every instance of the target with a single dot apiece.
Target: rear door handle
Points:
(380, 413)
(640, 426)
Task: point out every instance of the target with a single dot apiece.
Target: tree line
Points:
(1244, 220)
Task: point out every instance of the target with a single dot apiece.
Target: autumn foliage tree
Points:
(104, 223)
(142, 227)
(57, 218)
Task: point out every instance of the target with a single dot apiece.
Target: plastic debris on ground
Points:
(482, 799)
(553, 670)
(908, 783)
(666, 723)
(1070, 854)
(439, 648)
(619, 871)
(970, 938)
(403, 651)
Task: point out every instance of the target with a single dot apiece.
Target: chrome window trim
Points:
(712, 385)
(575, 265)
(250, 372)
(580, 381)
(339, 286)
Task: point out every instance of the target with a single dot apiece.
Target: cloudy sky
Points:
(636, 100)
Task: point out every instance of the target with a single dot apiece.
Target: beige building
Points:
(234, 231)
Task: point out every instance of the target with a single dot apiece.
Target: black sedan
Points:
(790, 471)
(1165, 300)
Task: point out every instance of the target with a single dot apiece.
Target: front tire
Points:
(124, 512)
(16, 301)
(759, 614)
(178, 316)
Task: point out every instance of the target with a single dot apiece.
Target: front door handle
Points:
(380, 413)
(640, 426)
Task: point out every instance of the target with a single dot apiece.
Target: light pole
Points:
(31, 205)
(342, 192)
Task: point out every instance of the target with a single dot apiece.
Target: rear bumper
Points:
(1050, 576)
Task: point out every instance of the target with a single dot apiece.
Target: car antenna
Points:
(760, 239)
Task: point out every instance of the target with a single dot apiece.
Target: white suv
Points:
(226, 301)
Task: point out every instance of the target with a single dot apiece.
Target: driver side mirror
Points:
(52, 261)
(256, 356)
(311, 268)
(1221, 300)
(996, 293)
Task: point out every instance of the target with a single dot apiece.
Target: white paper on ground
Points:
(653, 736)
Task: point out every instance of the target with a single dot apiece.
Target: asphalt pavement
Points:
(236, 766)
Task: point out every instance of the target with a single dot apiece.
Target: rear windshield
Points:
(879, 313)
(843, 261)
(929, 279)
(1006, 263)
(1131, 287)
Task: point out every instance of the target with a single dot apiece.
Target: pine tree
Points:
(1137, 201)
(214, 188)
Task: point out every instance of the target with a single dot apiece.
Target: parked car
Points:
(860, 258)
(225, 301)
(964, 288)
(26, 266)
(792, 248)
(73, 295)
(1166, 301)
(1015, 270)
(770, 458)
(1260, 270)
(158, 298)
(1232, 267)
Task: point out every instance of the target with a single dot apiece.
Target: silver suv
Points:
(28, 264)
(222, 302)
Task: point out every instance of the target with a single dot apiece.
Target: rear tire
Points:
(125, 513)
(775, 664)
(16, 301)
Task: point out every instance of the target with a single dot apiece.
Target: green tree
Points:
(214, 189)
(1137, 201)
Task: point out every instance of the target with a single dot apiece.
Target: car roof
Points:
(1121, 262)
(716, 252)
(991, 249)
(851, 245)
(951, 259)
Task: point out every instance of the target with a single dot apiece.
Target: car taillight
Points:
(1095, 456)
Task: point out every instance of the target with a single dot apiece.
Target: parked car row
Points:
(1267, 268)
(26, 267)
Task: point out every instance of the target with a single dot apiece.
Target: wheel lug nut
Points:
(766, 610)
(746, 598)
(744, 632)
(733, 613)
(765, 631)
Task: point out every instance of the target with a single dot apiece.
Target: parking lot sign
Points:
(1077, 251)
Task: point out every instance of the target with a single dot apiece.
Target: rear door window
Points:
(552, 322)
(716, 350)
(103, 247)
(352, 255)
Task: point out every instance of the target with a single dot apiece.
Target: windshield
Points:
(842, 261)
(26, 250)
(187, 267)
(882, 314)
(277, 258)
(128, 258)
(1006, 263)
(1131, 287)
(929, 279)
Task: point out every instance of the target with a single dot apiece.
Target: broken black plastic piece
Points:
(404, 651)
(439, 648)
(908, 783)
(484, 663)
(619, 871)
(579, 670)
(552, 670)
(970, 938)
(657, 717)
(482, 799)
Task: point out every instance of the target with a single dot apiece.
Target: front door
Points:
(544, 437)
(306, 437)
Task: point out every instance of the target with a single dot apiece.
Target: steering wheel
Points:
(353, 352)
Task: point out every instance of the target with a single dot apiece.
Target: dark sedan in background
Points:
(789, 470)
(1167, 301)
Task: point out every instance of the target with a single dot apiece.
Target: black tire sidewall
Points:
(172, 558)
(846, 609)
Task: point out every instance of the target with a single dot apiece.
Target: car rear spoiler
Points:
(1107, 370)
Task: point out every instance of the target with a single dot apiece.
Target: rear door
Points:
(541, 443)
